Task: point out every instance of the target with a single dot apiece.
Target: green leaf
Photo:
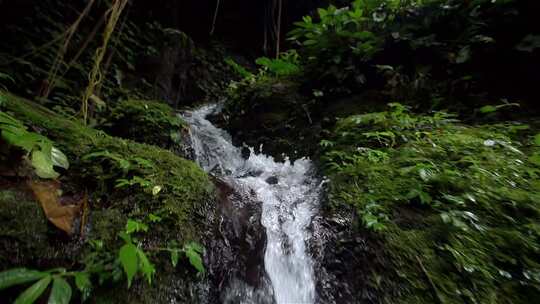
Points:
(146, 266)
(156, 190)
(33, 292)
(193, 251)
(488, 109)
(61, 292)
(154, 218)
(537, 139)
(5, 76)
(135, 226)
(535, 159)
(174, 257)
(464, 55)
(59, 159)
(129, 260)
(9, 120)
(194, 246)
(83, 283)
(19, 276)
(310, 42)
(43, 165)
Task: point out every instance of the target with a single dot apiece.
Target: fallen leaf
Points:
(46, 193)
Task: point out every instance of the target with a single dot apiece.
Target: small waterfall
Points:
(289, 193)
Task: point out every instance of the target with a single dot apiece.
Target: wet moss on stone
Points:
(183, 203)
(145, 121)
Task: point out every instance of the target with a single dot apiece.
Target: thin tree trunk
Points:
(216, 12)
(63, 49)
(278, 34)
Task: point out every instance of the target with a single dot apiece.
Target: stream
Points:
(289, 196)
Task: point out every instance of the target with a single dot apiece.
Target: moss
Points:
(24, 227)
(106, 224)
(456, 206)
(182, 203)
(185, 185)
(144, 121)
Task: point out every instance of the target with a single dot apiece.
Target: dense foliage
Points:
(449, 202)
(463, 199)
(430, 54)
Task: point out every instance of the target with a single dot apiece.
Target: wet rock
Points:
(272, 180)
(246, 153)
(346, 258)
(236, 252)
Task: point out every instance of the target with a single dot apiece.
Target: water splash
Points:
(289, 193)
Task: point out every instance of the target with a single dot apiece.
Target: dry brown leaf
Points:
(47, 194)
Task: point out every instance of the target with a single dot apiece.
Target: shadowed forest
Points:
(270, 152)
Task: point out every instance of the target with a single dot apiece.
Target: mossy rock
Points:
(455, 206)
(271, 113)
(185, 186)
(24, 227)
(97, 163)
(145, 121)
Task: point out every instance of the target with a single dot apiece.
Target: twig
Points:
(84, 217)
(55, 68)
(307, 114)
(96, 75)
(278, 34)
(433, 287)
(216, 12)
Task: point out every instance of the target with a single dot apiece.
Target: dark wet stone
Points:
(272, 180)
(237, 251)
(245, 153)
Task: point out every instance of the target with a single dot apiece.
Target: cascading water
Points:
(289, 193)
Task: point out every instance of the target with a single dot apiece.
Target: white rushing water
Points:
(289, 193)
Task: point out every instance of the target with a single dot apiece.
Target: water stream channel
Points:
(289, 195)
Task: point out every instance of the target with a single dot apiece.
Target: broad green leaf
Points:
(19, 276)
(124, 164)
(59, 159)
(156, 190)
(146, 266)
(126, 237)
(464, 55)
(154, 218)
(9, 120)
(535, 159)
(43, 165)
(33, 292)
(425, 198)
(194, 246)
(5, 77)
(61, 292)
(3, 100)
(83, 283)
(129, 260)
(174, 257)
(488, 109)
(193, 251)
(537, 139)
(135, 226)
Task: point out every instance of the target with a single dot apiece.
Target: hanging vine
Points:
(96, 76)
(59, 60)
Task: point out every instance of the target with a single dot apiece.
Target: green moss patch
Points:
(123, 179)
(144, 121)
(458, 206)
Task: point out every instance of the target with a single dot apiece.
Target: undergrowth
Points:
(125, 180)
(460, 202)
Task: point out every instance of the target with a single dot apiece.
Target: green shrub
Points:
(149, 122)
(465, 199)
(288, 64)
